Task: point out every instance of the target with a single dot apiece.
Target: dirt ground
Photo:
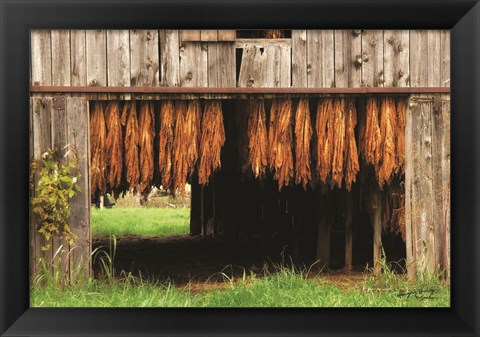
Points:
(198, 261)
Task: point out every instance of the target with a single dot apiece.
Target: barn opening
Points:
(292, 179)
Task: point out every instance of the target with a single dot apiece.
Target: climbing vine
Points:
(56, 185)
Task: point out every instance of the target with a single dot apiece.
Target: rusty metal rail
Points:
(234, 90)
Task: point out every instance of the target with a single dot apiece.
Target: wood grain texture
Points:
(320, 58)
(96, 51)
(193, 64)
(78, 58)
(445, 159)
(372, 58)
(439, 190)
(77, 123)
(422, 188)
(60, 247)
(348, 50)
(221, 65)
(299, 58)
(425, 58)
(61, 57)
(144, 58)
(445, 58)
(410, 235)
(169, 58)
(42, 141)
(188, 35)
(227, 35)
(41, 57)
(265, 66)
(118, 60)
(208, 35)
(396, 62)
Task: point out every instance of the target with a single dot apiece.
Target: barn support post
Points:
(323, 233)
(195, 221)
(348, 232)
(377, 231)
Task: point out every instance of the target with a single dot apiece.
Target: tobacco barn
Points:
(324, 145)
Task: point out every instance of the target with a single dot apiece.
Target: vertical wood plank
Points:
(377, 231)
(284, 79)
(208, 35)
(96, 52)
(41, 125)
(320, 59)
(60, 247)
(31, 221)
(78, 137)
(445, 58)
(60, 57)
(265, 66)
(409, 179)
(372, 58)
(253, 61)
(422, 188)
(439, 189)
(118, 60)
(396, 64)
(221, 65)
(78, 76)
(348, 49)
(144, 60)
(425, 58)
(323, 233)
(188, 35)
(446, 184)
(227, 35)
(348, 231)
(41, 57)
(169, 58)
(299, 58)
(144, 57)
(193, 64)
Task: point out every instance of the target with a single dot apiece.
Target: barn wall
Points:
(427, 184)
(57, 128)
(310, 58)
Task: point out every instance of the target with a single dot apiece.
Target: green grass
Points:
(140, 221)
(285, 288)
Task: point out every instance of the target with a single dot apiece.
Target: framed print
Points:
(243, 168)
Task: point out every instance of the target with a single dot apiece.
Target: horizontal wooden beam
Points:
(235, 90)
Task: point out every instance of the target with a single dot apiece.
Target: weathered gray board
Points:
(310, 58)
(265, 65)
(52, 128)
(427, 185)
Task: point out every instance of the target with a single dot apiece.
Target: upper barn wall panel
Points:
(313, 58)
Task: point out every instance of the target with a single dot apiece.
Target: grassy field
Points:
(286, 288)
(140, 221)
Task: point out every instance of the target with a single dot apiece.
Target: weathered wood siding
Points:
(51, 128)
(310, 58)
(427, 184)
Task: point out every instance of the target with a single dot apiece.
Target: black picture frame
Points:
(19, 16)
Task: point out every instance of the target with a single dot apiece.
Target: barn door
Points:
(427, 184)
(62, 123)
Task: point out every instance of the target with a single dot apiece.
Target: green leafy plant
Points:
(56, 185)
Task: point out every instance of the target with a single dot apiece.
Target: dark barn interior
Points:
(241, 219)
